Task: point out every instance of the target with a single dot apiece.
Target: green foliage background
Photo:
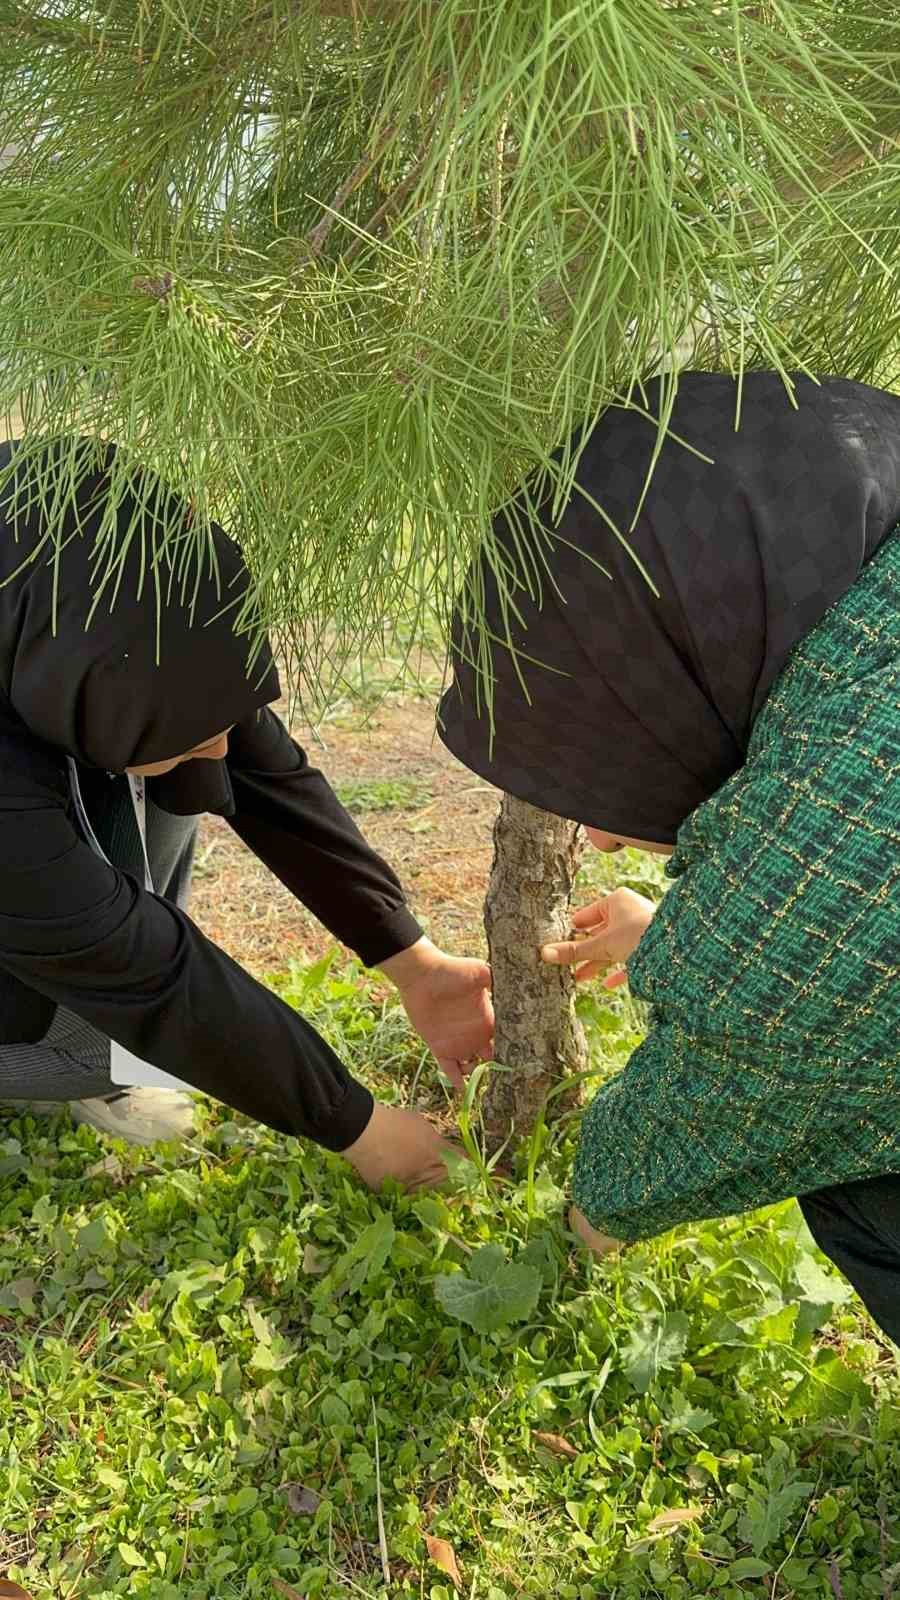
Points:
(347, 271)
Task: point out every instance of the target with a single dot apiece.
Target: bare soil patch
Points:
(432, 824)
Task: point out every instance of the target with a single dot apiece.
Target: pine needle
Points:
(347, 277)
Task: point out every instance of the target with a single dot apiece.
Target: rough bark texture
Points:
(538, 1034)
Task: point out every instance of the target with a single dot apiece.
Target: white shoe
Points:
(138, 1115)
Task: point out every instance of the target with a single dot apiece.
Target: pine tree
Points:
(348, 271)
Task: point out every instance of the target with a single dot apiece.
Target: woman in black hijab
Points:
(94, 695)
(744, 711)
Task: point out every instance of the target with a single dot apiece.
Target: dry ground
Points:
(434, 827)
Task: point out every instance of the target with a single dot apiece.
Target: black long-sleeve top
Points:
(77, 932)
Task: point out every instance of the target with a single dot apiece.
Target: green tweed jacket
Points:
(772, 1063)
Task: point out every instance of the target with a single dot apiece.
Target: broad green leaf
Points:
(828, 1390)
(775, 1328)
(408, 1251)
(795, 1572)
(354, 1394)
(112, 1480)
(828, 1508)
(580, 1512)
(334, 1412)
(261, 1242)
(20, 1292)
(723, 1330)
(496, 1294)
(487, 1262)
(821, 1288)
(367, 1255)
(749, 1567)
(538, 1253)
(313, 1261)
(201, 1280)
(94, 1238)
(765, 1520)
(130, 1556)
(267, 1358)
(315, 976)
(244, 1500)
(658, 1344)
(685, 1418)
(186, 1183)
(709, 1463)
(376, 1243)
(761, 1274)
(180, 1318)
(229, 1379)
(259, 1325)
(547, 1195)
(44, 1212)
(432, 1212)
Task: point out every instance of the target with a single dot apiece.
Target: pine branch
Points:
(317, 236)
(367, 10)
(356, 423)
(841, 162)
(44, 30)
(388, 207)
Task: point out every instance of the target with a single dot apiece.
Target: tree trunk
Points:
(538, 1034)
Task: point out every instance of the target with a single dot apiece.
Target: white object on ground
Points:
(140, 1115)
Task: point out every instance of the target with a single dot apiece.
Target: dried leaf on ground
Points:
(302, 1501)
(20, 1289)
(109, 1167)
(287, 1589)
(673, 1517)
(442, 1553)
(13, 1591)
(556, 1443)
(313, 1262)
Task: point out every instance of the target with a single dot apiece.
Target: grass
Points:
(223, 1362)
(383, 794)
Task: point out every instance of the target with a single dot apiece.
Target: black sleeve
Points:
(290, 817)
(88, 937)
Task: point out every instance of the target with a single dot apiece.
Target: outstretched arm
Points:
(291, 818)
(86, 936)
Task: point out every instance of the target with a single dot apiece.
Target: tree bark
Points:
(539, 1037)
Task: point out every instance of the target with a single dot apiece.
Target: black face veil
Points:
(642, 707)
(138, 678)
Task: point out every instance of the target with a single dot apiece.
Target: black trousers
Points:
(857, 1225)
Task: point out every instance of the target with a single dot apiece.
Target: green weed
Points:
(383, 794)
(600, 873)
(229, 1372)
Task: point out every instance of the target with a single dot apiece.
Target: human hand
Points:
(599, 1244)
(403, 1145)
(611, 930)
(448, 1001)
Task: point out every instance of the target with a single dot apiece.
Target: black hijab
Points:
(642, 707)
(149, 672)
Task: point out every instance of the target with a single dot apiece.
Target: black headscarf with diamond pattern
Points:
(642, 705)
